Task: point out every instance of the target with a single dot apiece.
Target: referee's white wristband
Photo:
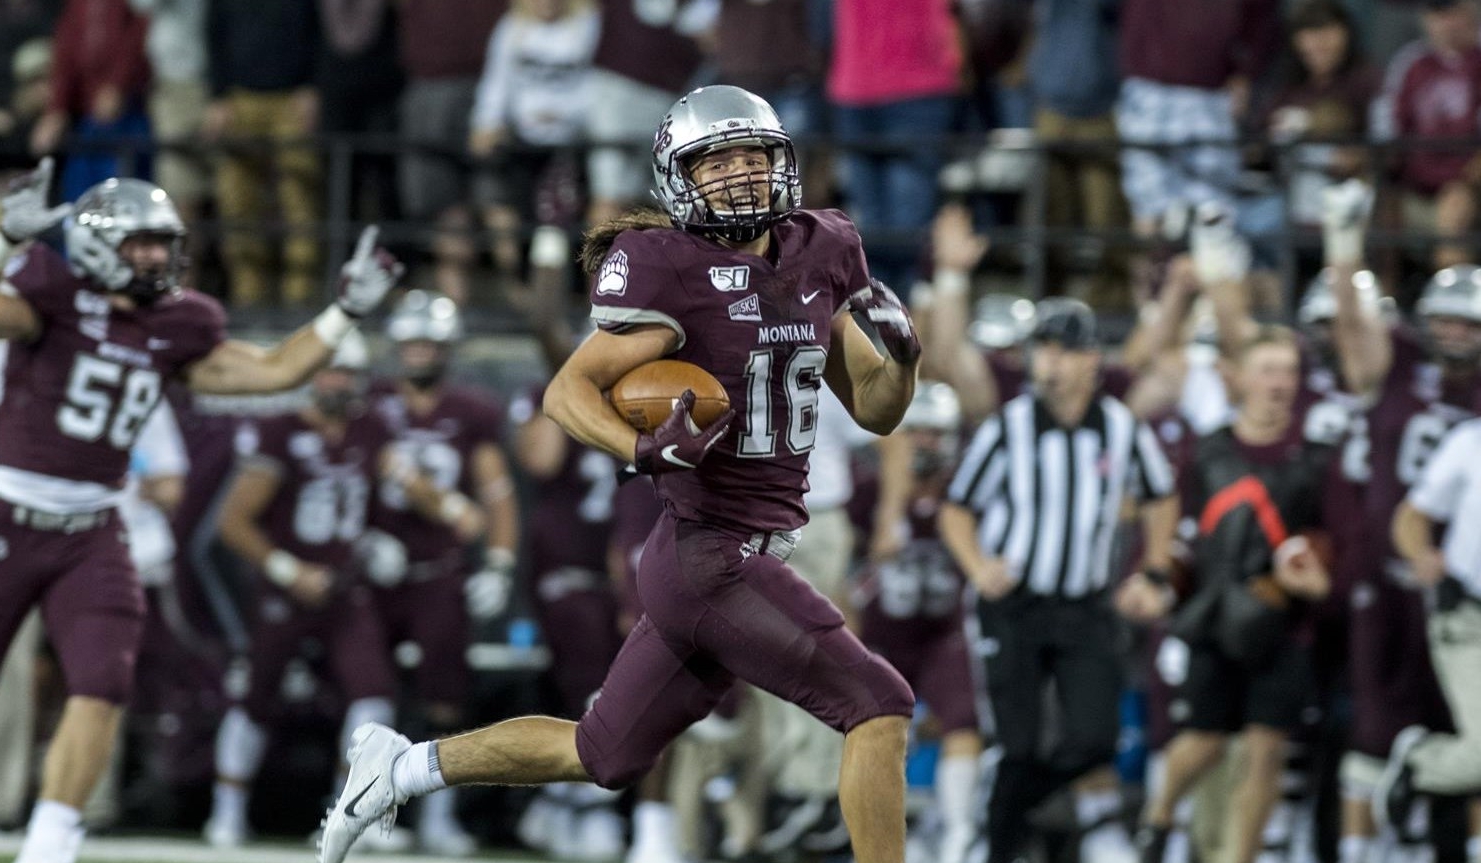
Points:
(332, 325)
(281, 568)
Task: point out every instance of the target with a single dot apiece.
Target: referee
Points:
(1030, 519)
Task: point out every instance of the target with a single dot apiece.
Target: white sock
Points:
(1353, 849)
(240, 745)
(956, 785)
(53, 834)
(417, 770)
(229, 803)
(439, 812)
(653, 824)
(1093, 807)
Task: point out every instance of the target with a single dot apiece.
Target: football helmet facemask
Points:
(425, 316)
(111, 212)
(718, 118)
(1454, 293)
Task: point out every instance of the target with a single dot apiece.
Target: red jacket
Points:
(1433, 97)
(97, 43)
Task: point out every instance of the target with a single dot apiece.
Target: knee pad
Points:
(610, 765)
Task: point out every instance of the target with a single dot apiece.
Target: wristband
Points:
(951, 283)
(498, 558)
(454, 507)
(332, 325)
(281, 568)
(549, 247)
(922, 296)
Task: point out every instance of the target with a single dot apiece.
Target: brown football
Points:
(646, 395)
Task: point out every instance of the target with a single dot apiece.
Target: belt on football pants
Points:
(778, 543)
(59, 522)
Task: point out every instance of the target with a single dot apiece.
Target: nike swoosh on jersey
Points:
(807, 298)
(354, 801)
(668, 456)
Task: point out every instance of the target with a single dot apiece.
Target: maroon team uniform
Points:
(1394, 684)
(317, 513)
(719, 600)
(568, 535)
(75, 398)
(912, 616)
(428, 607)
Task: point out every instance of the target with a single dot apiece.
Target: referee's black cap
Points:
(1068, 323)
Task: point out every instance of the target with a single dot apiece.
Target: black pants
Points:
(1026, 642)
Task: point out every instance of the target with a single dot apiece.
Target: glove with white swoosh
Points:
(677, 443)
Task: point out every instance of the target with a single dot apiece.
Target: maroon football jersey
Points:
(441, 443)
(323, 494)
(571, 522)
(1412, 415)
(76, 397)
(635, 510)
(918, 594)
(763, 331)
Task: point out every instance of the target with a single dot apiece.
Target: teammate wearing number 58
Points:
(735, 278)
(94, 336)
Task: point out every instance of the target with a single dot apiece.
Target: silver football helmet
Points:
(1453, 293)
(715, 118)
(425, 316)
(108, 214)
(1001, 321)
(934, 421)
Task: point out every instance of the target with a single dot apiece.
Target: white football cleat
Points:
(368, 795)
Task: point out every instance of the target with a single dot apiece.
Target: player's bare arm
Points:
(575, 398)
(239, 368)
(251, 492)
(540, 447)
(876, 389)
(1360, 334)
(496, 497)
(18, 321)
(956, 249)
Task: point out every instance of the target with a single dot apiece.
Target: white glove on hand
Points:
(367, 276)
(488, 592)
(1345, 210)
(383, 556)
(25, 213)
(1220, 254)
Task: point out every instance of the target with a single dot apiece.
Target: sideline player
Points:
(738, 279)
(93, 338)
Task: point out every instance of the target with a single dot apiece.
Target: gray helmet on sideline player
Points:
(934, 421)
(1318, 309)
(716, 118)
(430, 317)
(1000, 321)
(113, 211)
(334, 397)
(1453, 293)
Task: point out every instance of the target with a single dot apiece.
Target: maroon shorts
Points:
(1393, 682)
(354, 643)
(578, 614)
(935, 662)
(434, 615)
(89, 595)
(712, 614)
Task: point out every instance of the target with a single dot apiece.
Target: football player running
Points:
(93, 338)
(735, 278)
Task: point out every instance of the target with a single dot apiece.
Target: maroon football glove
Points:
(879, 305)
(677, 443)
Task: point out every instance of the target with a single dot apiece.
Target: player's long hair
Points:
(597, 242)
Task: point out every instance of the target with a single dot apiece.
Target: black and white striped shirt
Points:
(1048, 499)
